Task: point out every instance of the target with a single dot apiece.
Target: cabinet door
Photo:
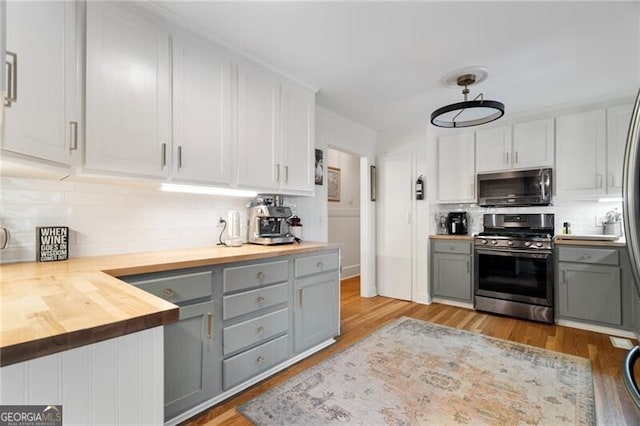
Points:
(456, 168)
(493, 149)
(618, 119)
(298, 129)
(317, 310)
(201, 112)
(128, 87)
(533, 144)
(452, 276)
(581, 151)
(190, 362)
(590, 292)
(42, 35)
(258, 128)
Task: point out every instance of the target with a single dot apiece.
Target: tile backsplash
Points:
(109, 218)
(581, 215)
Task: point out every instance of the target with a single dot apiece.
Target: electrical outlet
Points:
(221, 222)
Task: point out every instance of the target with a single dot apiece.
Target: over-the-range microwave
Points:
(515, 188)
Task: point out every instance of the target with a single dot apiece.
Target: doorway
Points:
(343, 211)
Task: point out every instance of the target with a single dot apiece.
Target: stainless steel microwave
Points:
(515, 188)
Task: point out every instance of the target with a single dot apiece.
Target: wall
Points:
(109, 218)
(344, 215)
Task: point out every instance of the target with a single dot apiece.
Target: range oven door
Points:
(516, 275)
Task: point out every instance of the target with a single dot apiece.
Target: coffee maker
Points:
(268, 222)
(457, 223)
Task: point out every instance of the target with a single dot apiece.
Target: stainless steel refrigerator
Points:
(631, 215)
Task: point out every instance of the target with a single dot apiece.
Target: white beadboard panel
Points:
(104, 404)
(44, 381)
(129, 379)
(109, 218)
(76, 386)
(118, 381)
(13, 384)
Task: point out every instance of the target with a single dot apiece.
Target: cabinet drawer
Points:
(461, 247)
(239, 368)
(589, 255)
(254, 300)
(248, 276)
(314, 264)
(178, 288)
(250, 332)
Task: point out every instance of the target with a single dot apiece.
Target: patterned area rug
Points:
(412, 372)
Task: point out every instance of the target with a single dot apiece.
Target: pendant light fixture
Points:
(467, 113)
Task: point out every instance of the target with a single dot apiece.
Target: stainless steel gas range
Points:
(514, 266)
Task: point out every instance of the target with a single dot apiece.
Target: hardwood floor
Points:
(362, 316)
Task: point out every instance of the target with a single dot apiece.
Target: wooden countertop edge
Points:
(590, 243)
(24, 351)
(451, 237)
(62, 342)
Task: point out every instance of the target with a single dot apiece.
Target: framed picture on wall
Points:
(333, 184)
(319, 168)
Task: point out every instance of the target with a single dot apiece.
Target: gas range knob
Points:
(509, 243)
(494, 242)
(527, 243)
(483, 241)
(539, 244)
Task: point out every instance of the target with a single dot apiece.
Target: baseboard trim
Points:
(596, 328)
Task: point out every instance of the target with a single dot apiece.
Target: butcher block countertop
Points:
(451, 237)
(620, 242)
(54, 306)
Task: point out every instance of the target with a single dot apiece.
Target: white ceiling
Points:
(380, 64)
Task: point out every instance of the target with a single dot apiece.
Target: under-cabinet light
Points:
(610, 200)
(209, 190)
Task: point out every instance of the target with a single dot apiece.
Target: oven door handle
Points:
(525, 253)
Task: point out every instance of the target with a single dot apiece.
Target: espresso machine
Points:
(268, 222)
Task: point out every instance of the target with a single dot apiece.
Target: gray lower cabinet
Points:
(451, 266)
(317, 299)
(255, 312)
(192, 360)
(593, 286)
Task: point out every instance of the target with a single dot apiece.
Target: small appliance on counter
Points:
(457, 223)
(613, 224)
(268, 222)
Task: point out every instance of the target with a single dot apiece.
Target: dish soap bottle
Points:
(566, 228)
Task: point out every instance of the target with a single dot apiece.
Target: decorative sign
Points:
(52, 243)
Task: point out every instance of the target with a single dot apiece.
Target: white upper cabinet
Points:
(456, 175)
(201, 112)
(258, 128)
(581, 154)
(298, 130)
(493, 149)
(618, 119)
(528, 145)
(275, 132)
(43, 118)
(128, 111)
(533, 144)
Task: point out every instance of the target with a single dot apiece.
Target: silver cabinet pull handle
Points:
(611, 177)
(260, 300)
(451, 247)
(286, 174)
(300, 297)
(319, 265)
(516, 157)
(507, 162)
(564, 276)
(599, 180)
(467, 266)
(260, 330)
(210, 333)
(277, 172)
(168, 293)
(163, 155)
(260, 276)
(12, 79)
(73, 135)
(260, 360)
(179, 157)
